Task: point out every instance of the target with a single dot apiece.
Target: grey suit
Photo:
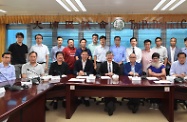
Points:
(177, 50)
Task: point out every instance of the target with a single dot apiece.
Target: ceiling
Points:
(51, 7)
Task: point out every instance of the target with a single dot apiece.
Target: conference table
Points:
(122, 88)
(27, 105)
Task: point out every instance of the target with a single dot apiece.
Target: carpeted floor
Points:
(95, 113)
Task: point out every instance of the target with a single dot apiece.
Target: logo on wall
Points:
(119, 24)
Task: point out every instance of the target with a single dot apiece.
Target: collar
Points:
(41, 45)
(147, 51)
(94, 44)
(31, 65)
(131, 63)
(84, 61)
(132, 47)
(2, 65)
(18, 44)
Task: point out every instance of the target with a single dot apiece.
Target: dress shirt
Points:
(146, 59)
(92, 47)
(83, 64)
(138, 53)
(119, 53)
(54, 50)
(100, 52)
(177, 68)
(42, 50)
(172, 50)
(110, 67)
(162, 51)
(7, 73)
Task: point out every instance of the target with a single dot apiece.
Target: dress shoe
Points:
(64, 104)
(110, 108)
(55, 105)
(135, 109)
(87, 103)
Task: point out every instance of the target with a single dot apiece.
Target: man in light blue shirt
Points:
(57, 48)
(7, 71)
(184, 49)
(94, 44)
(179, 67)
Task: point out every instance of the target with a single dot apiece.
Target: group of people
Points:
(96, 58)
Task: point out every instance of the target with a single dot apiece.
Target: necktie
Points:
(133, 51)
(109, 68)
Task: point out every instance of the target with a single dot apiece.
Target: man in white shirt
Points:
(135, 50)
(99, 53)
(42, 51)
(161, 50)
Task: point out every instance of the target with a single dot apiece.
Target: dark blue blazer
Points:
(127, 68)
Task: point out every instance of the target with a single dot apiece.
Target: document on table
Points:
(76, 79)
(163, 81)
(82, 77)
(105, 77)
(152, 78)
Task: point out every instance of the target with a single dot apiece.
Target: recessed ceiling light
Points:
(3, 11)
(158, 5)
(168, 4)
(176, 5)
(81, 5)
(63, 5)
(72, 5)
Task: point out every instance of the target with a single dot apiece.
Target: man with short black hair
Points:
(7, 71)
(57, 48)
(19, 53)
(42, 51)
(184, 49)
(94, 44)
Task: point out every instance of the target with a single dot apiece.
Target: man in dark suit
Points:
(109, 68)
(172, 51)
(82, 67)
(133, 68)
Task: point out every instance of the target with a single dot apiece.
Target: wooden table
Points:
(24, 106)
(123, 88)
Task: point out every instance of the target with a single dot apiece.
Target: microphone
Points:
(35, 80)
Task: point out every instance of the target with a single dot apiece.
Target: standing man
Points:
(161, 50)
(81, 49)
(119, 52)
(69, 55)
(57, 48)
(172, 51)
(133, 49)
(42, 51)
(184, 49)
(94, 44)
(19, 53)
(7, 71)
(99, 53)
(146, 55)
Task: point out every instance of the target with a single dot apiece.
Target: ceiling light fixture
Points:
(81, 5)
(72, 5)
(63, 5)
(167, 5)
(3, 11)
(176, 5)
(158, 5)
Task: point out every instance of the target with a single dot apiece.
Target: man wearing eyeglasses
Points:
(42, 51)
(7, 71)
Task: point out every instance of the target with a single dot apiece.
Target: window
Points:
(151, 34)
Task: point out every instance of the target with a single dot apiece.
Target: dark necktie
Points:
(133, 51)
(109, 68)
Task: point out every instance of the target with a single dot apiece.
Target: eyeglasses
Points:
(155, 58)
(132, 57)
(38, 38)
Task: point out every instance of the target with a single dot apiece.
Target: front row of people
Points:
(84, 66)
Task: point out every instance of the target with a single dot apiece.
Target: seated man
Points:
(133, 68)
(7, 71)
(179, 67)
(156, 69)
(83, 66)
(108, 68)
(59, 67)
(32, 68)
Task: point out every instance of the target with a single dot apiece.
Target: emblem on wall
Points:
(119, 24)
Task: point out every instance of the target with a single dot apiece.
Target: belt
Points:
(41, 62)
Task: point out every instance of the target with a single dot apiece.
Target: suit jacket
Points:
(177, 50)
(104, 68)
(88, 67)
(138, 68)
